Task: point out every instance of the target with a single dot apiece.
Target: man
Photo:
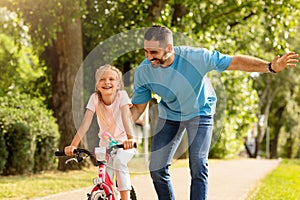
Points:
(177, 75)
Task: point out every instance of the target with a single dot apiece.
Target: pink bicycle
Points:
(104, 188)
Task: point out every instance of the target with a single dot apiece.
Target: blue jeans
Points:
(165, 141)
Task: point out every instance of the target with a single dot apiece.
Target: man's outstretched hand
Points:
(287, 60)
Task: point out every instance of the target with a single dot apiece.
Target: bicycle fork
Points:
(102, 183)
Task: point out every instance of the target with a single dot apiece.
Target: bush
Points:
(45, 148)
(21, 113)
(20, 147)
(3, 152)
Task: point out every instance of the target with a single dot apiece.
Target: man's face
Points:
(155, 54)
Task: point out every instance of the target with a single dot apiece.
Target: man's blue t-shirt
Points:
(184, 90)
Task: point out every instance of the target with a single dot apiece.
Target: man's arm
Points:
(128, 125)
(137, 110)
(253, 64)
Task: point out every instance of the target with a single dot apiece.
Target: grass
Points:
(283, 183)
(27, 187)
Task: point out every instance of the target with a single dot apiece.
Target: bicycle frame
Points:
(103, 182)
(104, 188)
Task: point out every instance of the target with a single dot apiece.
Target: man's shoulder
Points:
(189, 49)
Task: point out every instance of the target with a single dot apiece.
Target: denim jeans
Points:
(165, 141)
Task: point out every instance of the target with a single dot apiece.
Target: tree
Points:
(56, 29)
(274, 90)
(228, 26)
(8, 61)
(64, 57)
(232, 27)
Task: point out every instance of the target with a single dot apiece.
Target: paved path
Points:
(228, 180)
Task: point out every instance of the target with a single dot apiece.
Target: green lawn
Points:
(27, 187)
(283, 183)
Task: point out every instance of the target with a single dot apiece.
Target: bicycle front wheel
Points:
(97, 195)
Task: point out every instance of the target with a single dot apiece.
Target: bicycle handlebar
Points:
(76, 151)
(79, 150)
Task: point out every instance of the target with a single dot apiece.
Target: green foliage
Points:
(240, 113)
(44, 26)
(20, 67)
(257, 27)
(46, 143)
(281, 92)
(20, 146)
(112, 18)
(3, 152)
(29, 128)
(289, 139)
(8, 63)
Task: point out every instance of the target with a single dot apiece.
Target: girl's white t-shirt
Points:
(111, 121)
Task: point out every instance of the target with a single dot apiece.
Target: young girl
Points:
(112, 107)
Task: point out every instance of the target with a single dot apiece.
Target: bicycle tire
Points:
(97, 195)
(132, 194)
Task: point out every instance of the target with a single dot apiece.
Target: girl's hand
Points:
(69, 150)
(128, 144)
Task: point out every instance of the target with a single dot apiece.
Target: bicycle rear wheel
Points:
(132, 194)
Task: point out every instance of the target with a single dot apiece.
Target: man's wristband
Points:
(269, 65)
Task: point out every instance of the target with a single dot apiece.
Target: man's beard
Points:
(161, 60)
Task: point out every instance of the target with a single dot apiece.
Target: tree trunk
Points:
(273, 146)
(290, 144)
(64, 58)
(179, 11)
(276, 131)
(69, 52)
(266, 100)
(155, 9)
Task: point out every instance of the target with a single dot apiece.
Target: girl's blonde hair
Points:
(98, 76)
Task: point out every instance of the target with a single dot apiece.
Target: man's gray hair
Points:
(159, 33)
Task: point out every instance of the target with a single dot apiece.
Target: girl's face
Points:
(108, 83)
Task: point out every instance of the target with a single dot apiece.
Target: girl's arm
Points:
(85, 124)
(128, 125)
